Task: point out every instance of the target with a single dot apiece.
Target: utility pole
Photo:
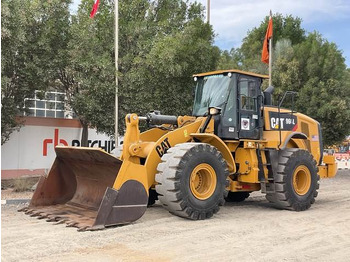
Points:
(270, 56)
(116, 69)
(208, 11)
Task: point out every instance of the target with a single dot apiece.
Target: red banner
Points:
(265, 51)
(94, 9)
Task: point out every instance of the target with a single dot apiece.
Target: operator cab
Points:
(239, 96)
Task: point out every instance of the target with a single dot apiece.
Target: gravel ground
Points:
(249, 231)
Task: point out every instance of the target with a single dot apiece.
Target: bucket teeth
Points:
(83, 229)
(24, 209)
(71, 224)
(56, 219)
(29, 211)
(35, 214)
(60, 222)
(42, 216)
(53, 218)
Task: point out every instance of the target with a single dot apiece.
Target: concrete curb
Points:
(14, 201)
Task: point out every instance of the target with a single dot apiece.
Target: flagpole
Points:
(116, 68)
(270, 56)
(208, 11)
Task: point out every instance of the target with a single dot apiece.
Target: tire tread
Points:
(168, 179)
(282, 197)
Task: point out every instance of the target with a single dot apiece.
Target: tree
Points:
(32, 36)
(171, 62)
(323, 89)
(181, 44)
(161, 44)
(284, 27)
(89, 80)
(307, 64)
(230, 59)
(315, 69)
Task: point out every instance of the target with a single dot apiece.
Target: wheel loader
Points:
(235, 142)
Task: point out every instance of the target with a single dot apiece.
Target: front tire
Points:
(296, 181)
(192, 180)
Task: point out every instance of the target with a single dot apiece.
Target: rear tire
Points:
(192, 180)
(296, 181)
(237, 196)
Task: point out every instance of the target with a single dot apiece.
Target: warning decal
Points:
(245, 123)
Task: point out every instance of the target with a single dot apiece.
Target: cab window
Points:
(248, 94)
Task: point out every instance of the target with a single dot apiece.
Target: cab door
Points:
(249, 101)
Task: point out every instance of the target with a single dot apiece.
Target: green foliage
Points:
(248, 56)
(286, 27)
(171, 62)
(33, 35)
(161, 44)
(305, 63)
(90, 89)
(315, 69)
(323, 89)
(230, 59)
(16, 67)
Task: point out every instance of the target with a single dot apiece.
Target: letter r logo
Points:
(55, 140)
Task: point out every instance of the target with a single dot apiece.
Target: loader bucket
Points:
(78, 191)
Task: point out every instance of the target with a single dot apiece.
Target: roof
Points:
(218, 72)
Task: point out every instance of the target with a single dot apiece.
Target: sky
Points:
(232, 19)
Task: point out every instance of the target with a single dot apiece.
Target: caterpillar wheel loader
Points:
(235, 142)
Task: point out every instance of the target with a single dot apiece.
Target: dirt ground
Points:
(248, 231)
(9, 193)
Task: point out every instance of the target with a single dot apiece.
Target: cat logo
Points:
(163, 147)
(283, 121)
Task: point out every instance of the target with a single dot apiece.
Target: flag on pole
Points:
(94, 9)
(266, 50)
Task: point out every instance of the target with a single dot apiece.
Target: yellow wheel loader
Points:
(235, 142)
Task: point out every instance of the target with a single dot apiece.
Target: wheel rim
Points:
(301, 180)
(203, 181)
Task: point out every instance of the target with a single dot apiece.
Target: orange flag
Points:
(265, 51)
(94, 9)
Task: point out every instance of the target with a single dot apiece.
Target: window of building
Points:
(49, 104)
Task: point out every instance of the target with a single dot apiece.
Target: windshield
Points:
(210, 91)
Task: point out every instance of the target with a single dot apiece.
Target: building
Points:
(48, 123)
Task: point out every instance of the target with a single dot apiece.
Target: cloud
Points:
(74, 6)
(232, 19)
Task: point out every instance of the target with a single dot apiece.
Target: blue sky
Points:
(231, 20)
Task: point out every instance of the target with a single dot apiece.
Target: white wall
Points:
(25, 149)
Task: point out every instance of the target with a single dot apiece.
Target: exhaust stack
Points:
(268, 95)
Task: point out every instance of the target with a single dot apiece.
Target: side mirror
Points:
(213, 111)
